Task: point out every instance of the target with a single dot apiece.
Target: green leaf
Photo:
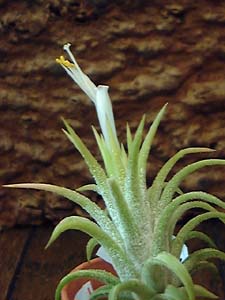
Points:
(201, 266)
(121, 262)
(189, 226)
(160, 297)
(159, 181)
(133, 285)
(200, 291)
(135, 198)
(178, 213)
(92, 243)
(104, 153)
(167, 260)
(132, 188)
(174, 183)
(174, 293)
(201, 236)
(161, 232)
(112, 157)
(206, 197)
(116, 156)
(95, 212)
(128, 229)
(88, 187)
(94, 167)
(136, 143)
(99, 275)
(146, 146)
(202, 255)
(101, 292)
(123, 211)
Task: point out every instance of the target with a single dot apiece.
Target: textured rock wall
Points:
(148, 52)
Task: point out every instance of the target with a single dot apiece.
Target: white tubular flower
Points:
(105, 113)
(99, 95)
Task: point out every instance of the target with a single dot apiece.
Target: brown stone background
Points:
(148, 52)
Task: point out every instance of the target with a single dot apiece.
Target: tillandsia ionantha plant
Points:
(137, 227)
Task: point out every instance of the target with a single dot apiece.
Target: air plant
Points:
(137, 227)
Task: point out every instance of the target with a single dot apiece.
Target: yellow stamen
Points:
(64, 62)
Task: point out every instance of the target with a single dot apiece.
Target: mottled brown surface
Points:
(149, 52)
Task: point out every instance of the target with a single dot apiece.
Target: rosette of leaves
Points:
(137, 227)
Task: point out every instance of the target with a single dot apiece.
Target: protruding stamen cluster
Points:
(66, 63)
(98, 94)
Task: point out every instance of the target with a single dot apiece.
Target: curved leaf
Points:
(161, 225)
(200, 291)
(174, 183)
(101, 292)
(92, 243)
(121, 262)
(135, 286)
(202, 265)
(159, 181)
(169, 261)
(201, 236)
(94, 211)
(202, 255)
(189, 226)
(94, 167)
(88, 187)
(102, 276)
(174, 293)
(174, 218)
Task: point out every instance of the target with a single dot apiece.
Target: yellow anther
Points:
(64, 62)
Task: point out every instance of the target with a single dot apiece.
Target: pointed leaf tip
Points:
(47, 245)
(164, 107)
(205, 149)
(63, 119)
(16, 185)
(50, 241)
(7, 185)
